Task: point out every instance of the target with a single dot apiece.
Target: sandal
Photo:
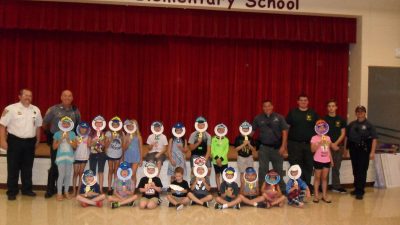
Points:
(315, 200)
(59, 198)
(327, 201)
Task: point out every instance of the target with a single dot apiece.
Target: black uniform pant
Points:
(300, 153)
(53, 171)
(360, 162)
(20, 156)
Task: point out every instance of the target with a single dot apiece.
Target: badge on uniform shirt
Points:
(337, 123)
(363, 127)
(19, 113)
(309, 117)
(276, 119)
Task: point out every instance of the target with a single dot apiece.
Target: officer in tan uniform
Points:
(20, 134)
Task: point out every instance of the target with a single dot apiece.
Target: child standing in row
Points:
(81, 154)
(113, 146)
(133, 146)
(64, 142)
(177, 149)
(219, 152)
(320, 146)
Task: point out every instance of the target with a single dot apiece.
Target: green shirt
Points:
(220, 148)
(301, 124)
(336, 124)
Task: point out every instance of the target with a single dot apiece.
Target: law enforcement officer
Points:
(361, 141)
(50, 124)
(301, 121)
(273, 141)
(337, 133)
(20, 134)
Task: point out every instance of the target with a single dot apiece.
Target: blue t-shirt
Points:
(302, 185)
(65, 152)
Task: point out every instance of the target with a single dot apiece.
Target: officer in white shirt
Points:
(20, 134)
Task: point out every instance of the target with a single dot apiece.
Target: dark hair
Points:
(266, 101)
(302, 95)
(21, 91)
(332, 100)
(179, 170)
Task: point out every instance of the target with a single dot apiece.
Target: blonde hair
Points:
(137, 132)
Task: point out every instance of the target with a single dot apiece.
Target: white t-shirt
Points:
(161, 142)
(21, 121)
(82, 151)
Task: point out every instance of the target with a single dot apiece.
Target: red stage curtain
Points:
(171, 64)
(175, 22)
(170, 78)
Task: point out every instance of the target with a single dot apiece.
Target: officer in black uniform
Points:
(50, 124)
(361, 141)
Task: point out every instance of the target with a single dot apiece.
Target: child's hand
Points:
(332, 163)
(219, 162)
(173, 162)
(246, 142)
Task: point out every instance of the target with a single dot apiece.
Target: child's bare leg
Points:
(128, 200)
(143, 204)
(172, 200)
(317, 178)
(278, 201)
(151, 205)
(207, 198)
(159, 165)
(134, 169)
(325, 174)
(194, 198)
(220, 200)
(74, 177)
(236, 201)
(101, 180)
(217, 180)
(85, 200)
(185, 201)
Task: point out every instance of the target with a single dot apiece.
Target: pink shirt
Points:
(321, 155)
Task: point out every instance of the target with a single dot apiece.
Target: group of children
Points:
(123, 151)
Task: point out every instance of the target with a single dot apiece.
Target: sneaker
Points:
(159, 201)
(192, 203)
(170, 205)
(219, 193)
(237, 206)
(114, 205)
(339, 190)
(205, 204)
(353, 192)
(110, 192)
(217, 206)
(179, 207)
(359, 197)
(99, 204)
(84, 205)
(261, 205)
(131, 204)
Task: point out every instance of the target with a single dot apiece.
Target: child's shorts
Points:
(199, 196)
(80, 161)
(220, 169)
(320, 165)
(244, 162)
(178, 199)
(250, 197)
(151, 157)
